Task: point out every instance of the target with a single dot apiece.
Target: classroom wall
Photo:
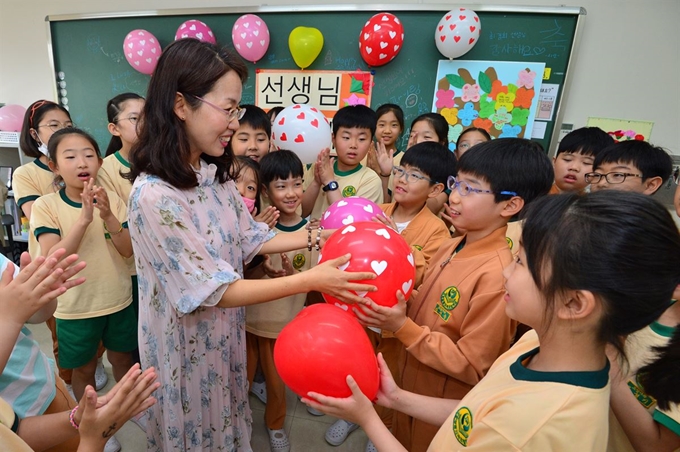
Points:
(627, 63)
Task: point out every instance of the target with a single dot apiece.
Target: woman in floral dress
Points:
(192, 235)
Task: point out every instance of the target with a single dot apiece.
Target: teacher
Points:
(192, 234)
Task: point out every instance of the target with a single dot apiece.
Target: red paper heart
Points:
(442, 37)
(441, 27)
(462, 17)
(456, 38)
(315, 123)
(472, 28)
(452, 26)
(299, 139)
(301, 115)
(471, 40)
(283, 137)
(448, 17)
(282, 121)
(297, 106)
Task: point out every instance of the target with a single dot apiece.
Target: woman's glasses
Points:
(233, 113)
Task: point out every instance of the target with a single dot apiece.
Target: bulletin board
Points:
(90, 67)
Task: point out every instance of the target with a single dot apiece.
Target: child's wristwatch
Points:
(332, 186)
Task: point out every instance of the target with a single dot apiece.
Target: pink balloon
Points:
(11, 117)
(142, 51)
(349, 210)
(197, 30)
(251, 37)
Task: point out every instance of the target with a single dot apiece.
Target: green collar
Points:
(396, 153)
(122, 160)
(68, 200)
(662, 330)
(589, 379)
(345, 173)
(41, 165)
(294, 228)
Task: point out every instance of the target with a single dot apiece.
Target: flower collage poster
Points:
(497, 96)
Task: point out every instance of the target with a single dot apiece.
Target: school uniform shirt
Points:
(109, 177)
(640, 351)
(424, 233)
(9, 424)
(28, 381)
(268, 319)
(513, 236)
(396, 161)
(456, 327)
(108, 287)
(518, 409)
(29, 182)
(360, 181)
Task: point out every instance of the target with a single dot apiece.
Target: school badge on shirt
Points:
(462, 425)
(510, 242)
(299, 261)
(349, 191)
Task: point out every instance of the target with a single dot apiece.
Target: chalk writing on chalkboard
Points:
(554, 37)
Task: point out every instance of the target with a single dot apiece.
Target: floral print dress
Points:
(189, 246)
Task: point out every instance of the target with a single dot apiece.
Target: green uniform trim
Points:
(597, 379)
(41, 165)
(345, 173)
(667, 421)
(294, 228)
(662, 330)
(25, 199)
(122, 160)
(45, 230)
(68, 201)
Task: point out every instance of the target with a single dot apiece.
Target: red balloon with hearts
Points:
(320, 347)
(374, 248)
(381, 39)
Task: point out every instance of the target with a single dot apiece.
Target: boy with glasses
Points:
(631, 166)
(455, 325)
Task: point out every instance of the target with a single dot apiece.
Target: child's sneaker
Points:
(370, 447)
(339, 431)
(259, 390)
(100, 376)
(112, 445)
(314, 412)
(278, 440)
(140, 420)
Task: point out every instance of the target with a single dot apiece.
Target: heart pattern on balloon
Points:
(378, 267)
(383, 31)
(457, 32)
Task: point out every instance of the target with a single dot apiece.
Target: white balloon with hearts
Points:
(457, 32)
(250, 36)
(197, 30)
(378, 249)
(302, 129)
(142, 51)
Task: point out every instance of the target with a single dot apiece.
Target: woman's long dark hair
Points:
(190, 67)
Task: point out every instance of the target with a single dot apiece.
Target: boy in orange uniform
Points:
(456, 325)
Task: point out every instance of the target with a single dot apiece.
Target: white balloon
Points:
(457, 32)
(302, 129)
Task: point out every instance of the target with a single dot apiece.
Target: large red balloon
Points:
(320, 347)
(374, 248)
(381, 39)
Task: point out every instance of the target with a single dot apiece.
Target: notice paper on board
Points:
(547, 99)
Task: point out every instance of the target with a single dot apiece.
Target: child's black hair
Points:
(470, 130)
(281, 164)
(241, 162)
(631, 263)
(274, 112)
(661, 377)
(652, 161)
(257, 119)
(34, 114)
(113, 109)
(355, 116)
(510, 164)
(395, 109)
(432, 159)
(438, 123)
(57, 138)
(586, 141)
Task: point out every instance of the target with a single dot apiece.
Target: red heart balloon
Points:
(374, 248)
(320, 347)
(381, 39)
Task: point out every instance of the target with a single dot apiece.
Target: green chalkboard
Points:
(88, 52)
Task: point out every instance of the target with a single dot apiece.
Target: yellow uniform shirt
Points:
(360, 181)
(108, 287)
(517, 409)
(268, 319)
(9, 423)
(29, 182)
(640, 351)
(109, 177)
(513, 235)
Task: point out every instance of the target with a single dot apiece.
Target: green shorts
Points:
(79, 339)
